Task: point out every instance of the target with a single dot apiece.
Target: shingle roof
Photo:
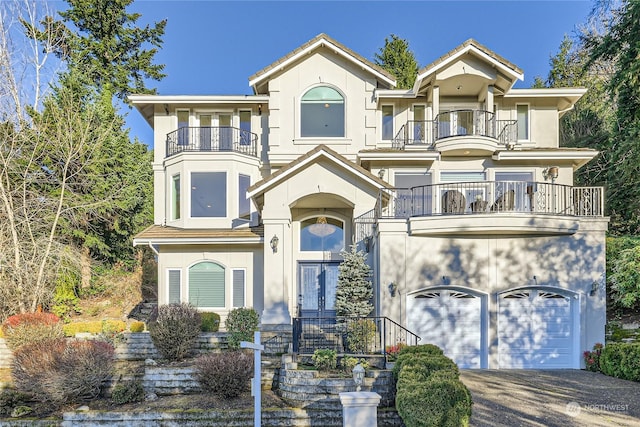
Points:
(155, 232)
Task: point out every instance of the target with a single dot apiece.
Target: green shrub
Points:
(621, 360)
(419, 368)
(431, 362)
(225, 374)
(106, 327)
(440, 401)
(348, 363)
(324, 359)
(361, 335)
(421, 349)
(129, 391)
(10, 399)
(28, 328)
(175, 330)
(241, 324)
(210, 322)
(65, 298)
(136, 326)
(62, 371)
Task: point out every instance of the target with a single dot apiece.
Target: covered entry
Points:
(537, 329)
(454, 319)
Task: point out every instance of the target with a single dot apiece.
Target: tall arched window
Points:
(321, 234)
(206, 285)
(322, 113)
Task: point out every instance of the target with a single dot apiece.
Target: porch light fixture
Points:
(367, 243)
(259, 109)
(393, 288)
(594, 288)
(551, 173)
(445, 280)
(321, 228)
(358, 376)
(274, 243)
(381, 174)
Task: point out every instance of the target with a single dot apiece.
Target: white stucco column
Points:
(360, 409)
(489, 103)
(275, 315)
(436, 101)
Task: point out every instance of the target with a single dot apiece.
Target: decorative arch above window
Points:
(322, 234)
(322, 113)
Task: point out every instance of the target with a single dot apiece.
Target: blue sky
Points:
(212, 47)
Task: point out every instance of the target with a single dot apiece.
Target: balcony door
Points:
(317, 288)
(216, 131)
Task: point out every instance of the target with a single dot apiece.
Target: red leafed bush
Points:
(226, 374)
(62, 371)
(27, 328)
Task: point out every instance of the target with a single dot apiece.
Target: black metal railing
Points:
(212, 138)
(276, 344)
(349, 335)
(491, 197)
(456, 123)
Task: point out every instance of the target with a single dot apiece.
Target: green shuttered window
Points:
(206, 285)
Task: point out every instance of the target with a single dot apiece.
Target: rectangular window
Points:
(208, 194)
(413, 202)
(244, 205)
(238, 288)
(175, 197)
(466, 192)
(387, 122)
(245, 127)
(175, 287)
(461, 176)
(523, 122)
(419, 125)
(516, 189)
(183, 127)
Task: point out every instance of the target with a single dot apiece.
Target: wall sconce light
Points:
(393, 288)
(274, 243)
(551, 173)
(367, 243)
(594, 288)
(381, 174)
(535, 280)
(166, 108)
(358, 376)
(445, 280)
(259, 109)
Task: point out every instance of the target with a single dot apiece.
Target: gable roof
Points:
(321, 40)
(320, 152)
(468, 46)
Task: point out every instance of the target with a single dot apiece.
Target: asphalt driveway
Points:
(553, 398)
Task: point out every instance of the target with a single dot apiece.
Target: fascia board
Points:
(197, 99)
(309, 49)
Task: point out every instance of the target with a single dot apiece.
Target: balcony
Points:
(492, 207)
(458, 123)
(212, 139)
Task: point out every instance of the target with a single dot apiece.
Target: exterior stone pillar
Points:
(360, 409)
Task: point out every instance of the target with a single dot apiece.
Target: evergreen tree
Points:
(399, 60)
(354, 291)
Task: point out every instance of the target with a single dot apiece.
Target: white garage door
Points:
(536, 330)
(452, 320)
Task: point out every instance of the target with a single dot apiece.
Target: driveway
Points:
(552, 398)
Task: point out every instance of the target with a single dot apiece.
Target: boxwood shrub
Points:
(621, 360)
(428, 389)
(210, 322)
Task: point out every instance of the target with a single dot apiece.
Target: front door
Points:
(317, 289)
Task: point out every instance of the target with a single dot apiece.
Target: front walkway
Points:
(552, 398)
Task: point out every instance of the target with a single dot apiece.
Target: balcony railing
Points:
(208, 139)
(349, 335)
(456, 123)
(490, 197)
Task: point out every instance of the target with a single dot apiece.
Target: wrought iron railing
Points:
(491, 197)
(276, 344)
(363, 225)
(349, 335)
(211, 138)
(456, 123)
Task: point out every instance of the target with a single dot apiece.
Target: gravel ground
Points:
(552, 398)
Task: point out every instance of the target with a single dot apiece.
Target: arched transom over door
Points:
(452, 319)
(537, 329)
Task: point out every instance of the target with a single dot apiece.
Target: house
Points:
(456, 188)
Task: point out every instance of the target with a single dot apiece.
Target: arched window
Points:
(321, 234)
(206, 285)
(322, 113)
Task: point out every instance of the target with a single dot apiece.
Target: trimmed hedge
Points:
(210, 322)
(428, 389)
(94, 327)
(621, 360)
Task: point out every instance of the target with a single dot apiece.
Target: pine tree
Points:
(399, 60)
(354, 291)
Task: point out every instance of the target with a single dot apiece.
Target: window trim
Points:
(299, 109)
(243, 215)
(168, 284)
(528, 138)
(175, 214)
(226, 198)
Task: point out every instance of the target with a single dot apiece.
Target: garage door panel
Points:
(535, 330)
(452, 321)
